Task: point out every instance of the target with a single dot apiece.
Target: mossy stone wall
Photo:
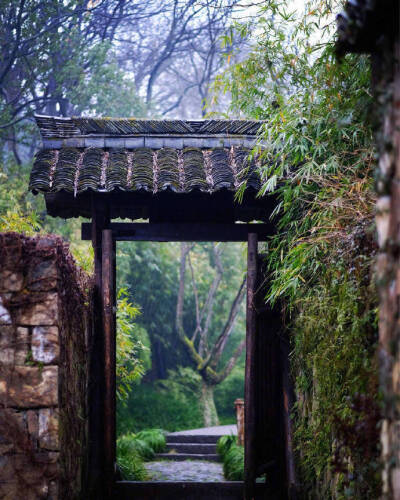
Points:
(44, 311)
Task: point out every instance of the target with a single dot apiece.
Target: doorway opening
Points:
(192, 323)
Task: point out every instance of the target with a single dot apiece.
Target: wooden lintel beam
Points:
(183, 232)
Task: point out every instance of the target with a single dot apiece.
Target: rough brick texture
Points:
(43, 369)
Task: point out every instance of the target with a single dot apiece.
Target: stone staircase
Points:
(182, 446)
(197, 444)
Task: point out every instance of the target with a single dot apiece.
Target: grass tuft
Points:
(129, 460)
(232, 457)
(134, 449)
(155, 438)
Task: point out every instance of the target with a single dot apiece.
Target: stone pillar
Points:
(239, 405)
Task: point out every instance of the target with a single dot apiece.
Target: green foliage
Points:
(15, 221)
(155, 438)
(232, 456)
(224, 443)
(134, 449)
(227, 392)
(17, 209)
(319, 162)
(129, 460)
(171, 404)
(133, 353)
(151, 270)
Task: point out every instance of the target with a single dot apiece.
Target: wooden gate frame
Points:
(104, 236)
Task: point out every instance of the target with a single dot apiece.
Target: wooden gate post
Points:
(291, 486)
(249, 387)
(108, 320)
(95, 472)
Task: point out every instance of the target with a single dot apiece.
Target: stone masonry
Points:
(42, 370)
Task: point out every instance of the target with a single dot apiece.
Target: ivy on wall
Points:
(318, 160)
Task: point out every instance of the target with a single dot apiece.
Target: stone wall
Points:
(43, 369)
(386, 78)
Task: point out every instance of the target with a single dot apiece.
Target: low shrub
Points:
(227, 392)
(143, 448)
(232, 456)
(134, 449)
(129, 460)
(169, 404)
(155, 438)
(224, 443)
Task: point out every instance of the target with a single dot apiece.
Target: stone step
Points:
(204, 448)
(183, 490)
(191, 438)
(188, 456)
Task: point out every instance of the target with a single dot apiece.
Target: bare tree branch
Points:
(181, 292)
(196, 300)
(209, 303)
(232, 361)
(220, 344)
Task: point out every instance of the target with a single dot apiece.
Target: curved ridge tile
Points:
(246, 168)
(142, 169)
(221, 172)
(193, 165)
(90, 174)
(116, 171)
(64, 175)
(40, 174)
(167, 170)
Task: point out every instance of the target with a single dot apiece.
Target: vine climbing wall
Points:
(44, 332)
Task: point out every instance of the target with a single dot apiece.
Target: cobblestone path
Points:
(187, 470)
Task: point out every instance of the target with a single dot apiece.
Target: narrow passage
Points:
(191, 456)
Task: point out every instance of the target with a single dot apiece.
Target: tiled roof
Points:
(51, 126)
(150, 156)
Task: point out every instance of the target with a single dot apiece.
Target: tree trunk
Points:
(210, 416)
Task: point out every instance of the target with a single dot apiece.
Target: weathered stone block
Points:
(14, 344)
(53, 490)
(13, 431)
(32, 420)
(5, 318)
(43, 276)
(11, 281)
(48, 429)
(42, 311)
(22, 477)
(45, 345)
(45, 242)
(6, 335)
(29, 386)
